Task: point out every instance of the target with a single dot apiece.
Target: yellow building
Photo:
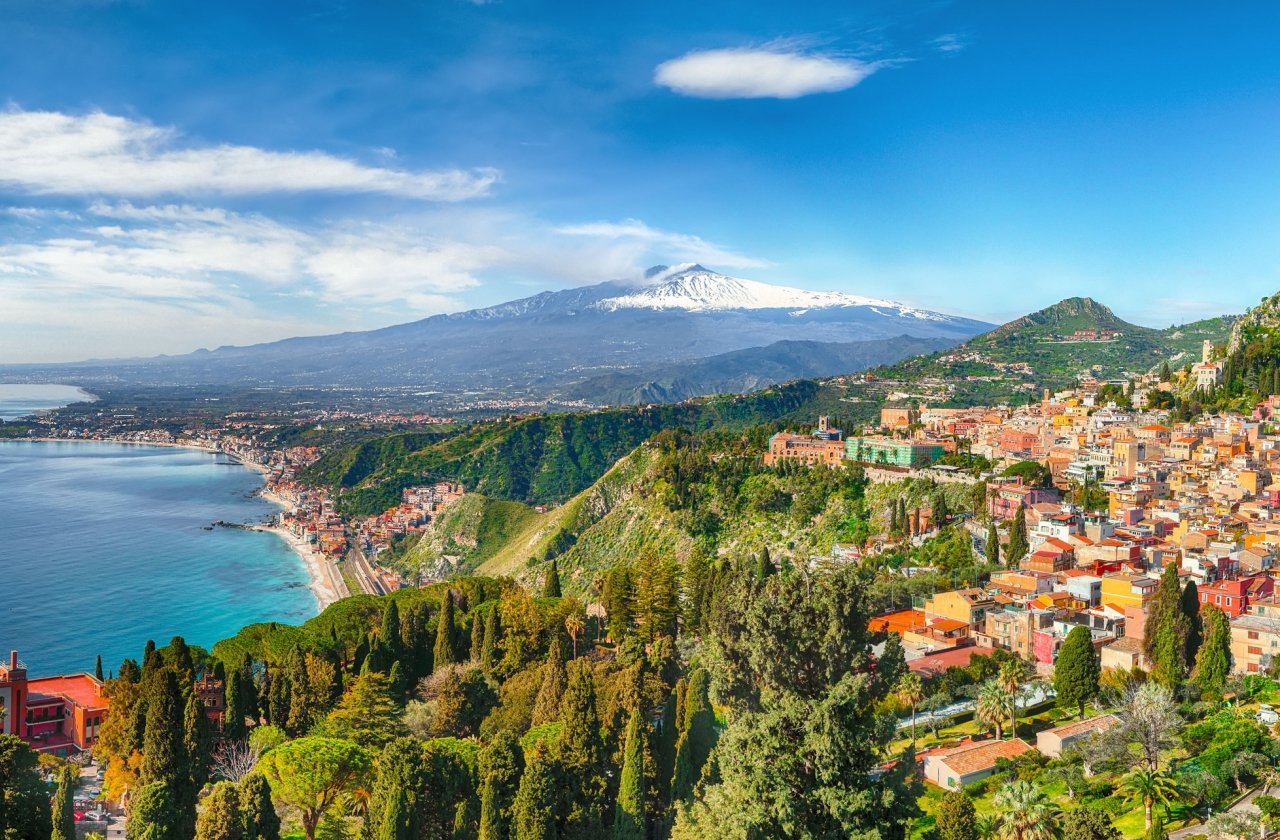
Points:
(1121, 590)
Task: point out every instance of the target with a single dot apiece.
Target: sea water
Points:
(22, 400)
(104, 546)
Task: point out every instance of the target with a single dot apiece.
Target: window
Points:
(1255, 651)
(1253, 634)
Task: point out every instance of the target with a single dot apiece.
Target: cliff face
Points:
(1259, 321)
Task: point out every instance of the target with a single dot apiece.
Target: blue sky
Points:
(176, 175)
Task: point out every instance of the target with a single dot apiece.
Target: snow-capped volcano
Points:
(697, 289)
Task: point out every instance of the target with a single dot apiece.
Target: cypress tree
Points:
(1075, 676)
(300, 716)
(490, 651)
(256, 810)
(181, 655)
(1190, 604)
(164, 749)
(97, 668)
(697, 739)
(1213, 662)
(401, 780)
(477, 638)
(619, 601)
(220, 817)
(1165, 632)
(198, 740)
(534, 811)
(64, 818)
(666, 757)
(153, 814)
(278, 693)
(940, 513)
(233, 727)
(1017, 548)
(501, 765)
(551, 583)
(764, 565)
(249, 690)
(444, 649)
(993, 544)
(582, 755)
(397, 683)
(546, 706)
(629, 815)
(389, 634)
(956, 817)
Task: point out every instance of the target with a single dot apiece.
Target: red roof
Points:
(936, 663)
(81, 689)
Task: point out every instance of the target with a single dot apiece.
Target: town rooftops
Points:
(939, 661)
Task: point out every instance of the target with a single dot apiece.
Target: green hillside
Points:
(539, 459)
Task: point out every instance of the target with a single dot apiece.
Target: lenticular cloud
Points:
(759, 73)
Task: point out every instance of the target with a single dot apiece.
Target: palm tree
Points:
(991, 706)
(986, 827)
(1150, 786)
(574, 626)
(1025, 813)
(1010, 681)
(911, 692)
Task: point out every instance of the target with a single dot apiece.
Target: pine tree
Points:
(537, 802)
(64, 818)
(582, 754)
(629, 815)
(1075, 676)
(501, 764)
(477, 638)
(256, 810)
(993, 544)
(444, 653)
(546, 706)
(551, 583)
(1017, 547)
(1165, 631)
(619, 597)
(1190, 604)
(491, 651)
(1213, 661)
(220, 817)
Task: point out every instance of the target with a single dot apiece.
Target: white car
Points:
(1267, 716)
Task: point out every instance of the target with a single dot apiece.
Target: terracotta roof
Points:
(983, 756)
(940, 661)
(1093, 724)
(1126, 644)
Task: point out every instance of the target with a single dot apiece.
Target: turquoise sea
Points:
(102, 546)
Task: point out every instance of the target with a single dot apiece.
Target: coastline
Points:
(323, 578)
(325, 581)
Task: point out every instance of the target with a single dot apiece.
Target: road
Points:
(363, 572)
(1244, 803)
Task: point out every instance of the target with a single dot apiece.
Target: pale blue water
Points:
(21, 400)
(102, 548)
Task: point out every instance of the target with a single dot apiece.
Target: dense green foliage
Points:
(1076, 673)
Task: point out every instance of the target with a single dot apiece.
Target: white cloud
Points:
(661, 244)
(52, 153)
(754, 73)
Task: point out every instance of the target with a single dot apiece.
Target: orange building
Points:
(58, 715)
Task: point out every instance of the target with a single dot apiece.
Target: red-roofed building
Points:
(1233, 597)
(59, 715)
